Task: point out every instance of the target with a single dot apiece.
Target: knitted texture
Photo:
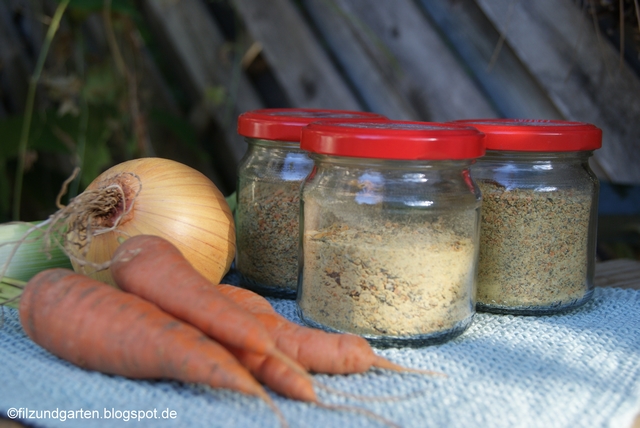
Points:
(578, 369)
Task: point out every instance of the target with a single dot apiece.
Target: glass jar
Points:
(389, 230)
(268, 201)
(539, 215)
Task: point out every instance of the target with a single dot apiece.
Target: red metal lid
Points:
(284, 124)
(393, 140)
(528, 135)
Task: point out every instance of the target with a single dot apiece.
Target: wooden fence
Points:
(431, 60)
(419, 60)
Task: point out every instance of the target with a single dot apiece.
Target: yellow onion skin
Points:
(173, 201)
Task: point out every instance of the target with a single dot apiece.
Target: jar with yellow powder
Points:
(389, 230)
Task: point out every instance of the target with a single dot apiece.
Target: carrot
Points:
(277, 375)
(153, 268)
(98, 327)
(316, 350)
(101, 328)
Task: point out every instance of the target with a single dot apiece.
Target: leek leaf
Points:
(24, 253)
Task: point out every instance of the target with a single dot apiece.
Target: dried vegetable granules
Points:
(267, 235)
(533, 246)
(539, 215)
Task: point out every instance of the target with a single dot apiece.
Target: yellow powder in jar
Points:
(395, 280)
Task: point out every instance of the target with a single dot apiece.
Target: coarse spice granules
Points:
(533, 246)
(389, 279)
(267, 233)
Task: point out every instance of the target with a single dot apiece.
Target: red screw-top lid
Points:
(530, 135)
(285, 124)
(390, 139)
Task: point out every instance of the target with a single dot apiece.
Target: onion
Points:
(150, 196)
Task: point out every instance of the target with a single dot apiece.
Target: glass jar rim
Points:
(391, 139)
(285, 124)
(537, 135)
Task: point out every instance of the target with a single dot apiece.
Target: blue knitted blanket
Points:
(579, 369)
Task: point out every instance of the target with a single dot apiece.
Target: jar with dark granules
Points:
(268, 200)
(539, 215)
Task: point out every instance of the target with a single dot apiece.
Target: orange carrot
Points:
(153, 268)
(98, 327)
(278, 376)
(316, 350)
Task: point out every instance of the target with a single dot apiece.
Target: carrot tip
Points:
(383, 363)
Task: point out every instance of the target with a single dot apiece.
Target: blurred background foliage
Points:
(94, 105)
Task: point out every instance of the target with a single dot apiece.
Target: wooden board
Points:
(415, 60)
(343, 34)
(298, 61)
(623, 273)
(581, 74)
(504, 79)
(197, 48)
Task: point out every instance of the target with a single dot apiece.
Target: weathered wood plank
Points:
(581, 74)
(406, 47)
(505, 80)
(196, 48)
(341, 33)
(622, 273)
(301, 66)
